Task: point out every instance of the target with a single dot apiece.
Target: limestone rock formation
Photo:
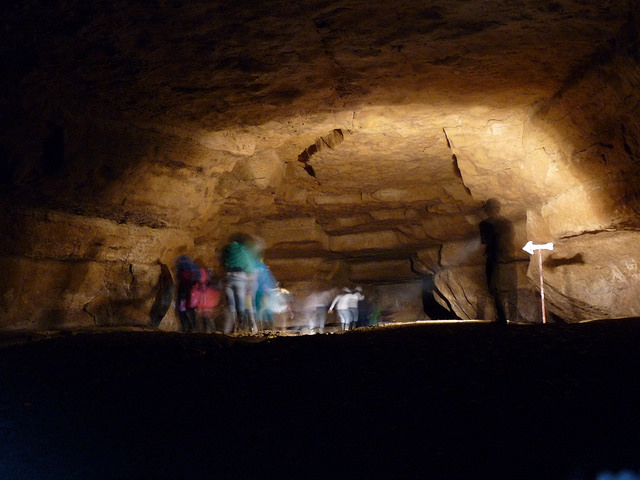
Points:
(360, 140)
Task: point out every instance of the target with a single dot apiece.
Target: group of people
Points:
(247, 296)
(353, 309)
(346, 305)
(251, 291)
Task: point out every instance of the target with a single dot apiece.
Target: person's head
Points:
(240, 237)
(346, 290)
(492, 207)
(184, 259)
(359, 289)
(184, 262)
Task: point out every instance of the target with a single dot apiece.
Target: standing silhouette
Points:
(497, 233)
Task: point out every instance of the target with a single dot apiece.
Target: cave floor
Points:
(413, 401)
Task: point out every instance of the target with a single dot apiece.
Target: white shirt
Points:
(340, 302)
(353, 299)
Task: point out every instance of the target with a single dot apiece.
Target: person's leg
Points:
(251, 288)
(353, 312)
(266, 316)
(260, 306)
(181, 306)
(217, 319)
(241, 302)
(310, 318)
(201, 321)
(190, 316)
(321, 318)
(230, 321)
(184, 320)
(231, 294)
(207, 323)
(345, 318)
(236, 294)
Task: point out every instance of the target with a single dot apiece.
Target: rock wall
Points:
(362, 144)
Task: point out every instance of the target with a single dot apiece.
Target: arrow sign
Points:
(531, 247)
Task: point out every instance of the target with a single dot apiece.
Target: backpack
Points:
(209, 299)
(204, 296)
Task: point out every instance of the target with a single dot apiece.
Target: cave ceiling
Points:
(351, 130)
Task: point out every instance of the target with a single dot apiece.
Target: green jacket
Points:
(238, 258)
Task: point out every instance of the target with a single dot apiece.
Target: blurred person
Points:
(365, 308)
(205, 298)
(265, 298)
(497, 235)
(254, 247)
(352, 304)
(187, 275)
(375, 316)
(240, 265)
(340, 302)
(316, 307)
(283, 303)
(276, 301)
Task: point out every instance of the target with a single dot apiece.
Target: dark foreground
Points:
(428, 401)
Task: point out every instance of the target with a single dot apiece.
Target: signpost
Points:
(531, 247)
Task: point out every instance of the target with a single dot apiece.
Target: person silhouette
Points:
(497, 234)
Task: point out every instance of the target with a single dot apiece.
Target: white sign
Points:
(531, 247)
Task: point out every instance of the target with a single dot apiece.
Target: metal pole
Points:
(544, 317)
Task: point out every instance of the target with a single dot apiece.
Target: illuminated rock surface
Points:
(360, 140)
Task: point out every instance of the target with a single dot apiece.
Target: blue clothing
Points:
(266, 284)
(345, 316)
(266, 280)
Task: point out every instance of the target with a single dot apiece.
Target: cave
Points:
(362, 144)
(410, 148)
